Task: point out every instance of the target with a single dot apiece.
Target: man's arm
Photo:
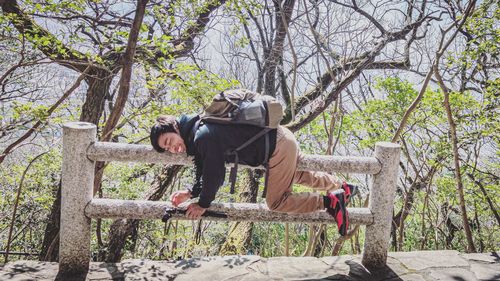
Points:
(213, 169)
(195, 190)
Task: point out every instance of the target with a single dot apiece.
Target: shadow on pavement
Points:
(70, 277)
(357, 272)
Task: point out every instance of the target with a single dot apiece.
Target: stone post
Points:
(76, 191)
(381, 204)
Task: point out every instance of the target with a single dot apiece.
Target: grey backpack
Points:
(242, 106)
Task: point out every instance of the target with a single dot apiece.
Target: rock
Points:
(445, 274)
(214, 268)
(411, 266)
(486, 271)
(298, 268)
(421, 260)
(485, 266)
(29, 270)
(483, 257)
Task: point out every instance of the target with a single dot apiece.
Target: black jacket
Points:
(210, 145)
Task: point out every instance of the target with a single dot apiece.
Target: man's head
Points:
(165, 135)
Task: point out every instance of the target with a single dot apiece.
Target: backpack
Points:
(243, 106)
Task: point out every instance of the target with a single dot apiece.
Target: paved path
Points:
(410, 266)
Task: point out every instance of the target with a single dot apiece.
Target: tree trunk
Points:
(123, 229)
(240, 233)
(119, 232)
(50, 244)
(99, 82)
(456, 161)
(321, 242)
(453, 131)
(405, 211)
(458, 176)
(283, 15)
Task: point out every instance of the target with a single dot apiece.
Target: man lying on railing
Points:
(214, 142)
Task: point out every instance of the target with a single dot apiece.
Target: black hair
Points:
(164, 124)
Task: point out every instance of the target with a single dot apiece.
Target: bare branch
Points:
(183, 45)
(442, 48)
(363, 13)
(325, 80)
(55, 50)
(127, 61)
(28, 133)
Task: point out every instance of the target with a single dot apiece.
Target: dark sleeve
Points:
(213, 170)
(198, 173)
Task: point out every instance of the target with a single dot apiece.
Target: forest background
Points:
(424, 74)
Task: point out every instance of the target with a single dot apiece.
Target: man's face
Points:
(172, 142)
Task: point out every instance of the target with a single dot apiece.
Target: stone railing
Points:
(81, 150)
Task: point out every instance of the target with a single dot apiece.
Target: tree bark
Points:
(240, 233)
(99, 82)
(283, 15)
(127, 63)
(50, 243)
(453, 130)
(458, 174)
(123, 229)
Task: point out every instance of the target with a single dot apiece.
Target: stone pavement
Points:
(410, 266)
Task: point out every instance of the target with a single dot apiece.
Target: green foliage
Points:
(52, 6)
(195, 87)
(126, 181)
(174, 87)
(378, 119)
(38, 190)
(29, 110)
(426, 141)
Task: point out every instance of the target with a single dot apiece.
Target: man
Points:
(210, 144)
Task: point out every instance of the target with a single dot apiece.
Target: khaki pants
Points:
(283, 174)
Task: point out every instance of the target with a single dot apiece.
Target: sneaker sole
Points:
(345, 219)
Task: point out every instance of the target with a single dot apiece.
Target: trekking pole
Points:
(170, 212)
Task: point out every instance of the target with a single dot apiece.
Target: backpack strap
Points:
(234, 169)
(266, 177)
(234, 172)
(254, 138)
(266, 165)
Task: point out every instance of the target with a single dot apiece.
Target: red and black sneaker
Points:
(338, 210)
(350, 190)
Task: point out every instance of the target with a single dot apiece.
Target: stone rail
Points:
(81, 150)
(122, 152)
(143, 209)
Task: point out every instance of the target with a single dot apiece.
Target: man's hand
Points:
(194, 211)
(179, 197)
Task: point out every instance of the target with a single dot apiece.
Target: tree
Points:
(349, 73)
(336, 68)
(97, 46)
